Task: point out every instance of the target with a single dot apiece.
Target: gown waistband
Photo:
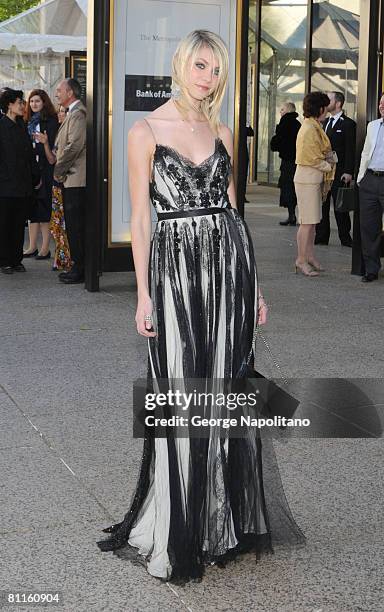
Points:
(199, 212)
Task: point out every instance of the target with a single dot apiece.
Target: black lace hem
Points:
(191, 569)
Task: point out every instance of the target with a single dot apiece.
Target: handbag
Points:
(347, 199)
(277, 401)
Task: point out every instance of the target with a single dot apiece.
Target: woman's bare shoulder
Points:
(141, 136)
(154, 126)
(140, 129)
(225, 134)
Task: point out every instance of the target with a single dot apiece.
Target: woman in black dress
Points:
(18, 176)
(41, 117)
(284, 141)
(199, 500)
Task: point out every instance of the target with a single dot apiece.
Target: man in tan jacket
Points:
(70, 169)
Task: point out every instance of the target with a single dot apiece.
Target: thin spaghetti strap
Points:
(150, 127)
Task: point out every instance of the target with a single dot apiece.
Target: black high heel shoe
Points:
(33, 254)
(47, 256)
(290, 221)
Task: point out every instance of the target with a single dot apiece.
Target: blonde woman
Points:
(315, 168)
(199, 499)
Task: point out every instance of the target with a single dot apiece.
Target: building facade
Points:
(279, 49)
(294, 47)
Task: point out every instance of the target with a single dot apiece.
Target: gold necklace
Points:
(190, 127)
(193, 129)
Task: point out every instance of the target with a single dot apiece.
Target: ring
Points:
(147, 317)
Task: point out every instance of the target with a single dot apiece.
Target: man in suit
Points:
(341, 131)
(70, 169)
(371, 195)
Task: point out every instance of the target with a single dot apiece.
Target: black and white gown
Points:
(201, 500)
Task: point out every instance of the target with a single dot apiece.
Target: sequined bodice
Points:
(179, 184)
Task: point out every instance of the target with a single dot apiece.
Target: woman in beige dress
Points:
(313, 178)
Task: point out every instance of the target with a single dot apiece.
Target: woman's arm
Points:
(322, 165)
(140, 147)
(42, 137)
(226, 136)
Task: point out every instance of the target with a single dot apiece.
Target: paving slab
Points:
(15, 430)
(66, 559)
(39, 489)
(69, 464)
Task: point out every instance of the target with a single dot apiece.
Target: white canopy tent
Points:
(35, 43)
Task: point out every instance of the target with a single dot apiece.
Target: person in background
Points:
(249, 132)
(70, 170)
(41, 117)
(18, 176)
(341, 131)
(315, 162)
(284, 141)
(371, 196)
(62, 258)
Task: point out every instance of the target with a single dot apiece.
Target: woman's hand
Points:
(262, 311)
(331, 157)
(144, 310)
(41, 137)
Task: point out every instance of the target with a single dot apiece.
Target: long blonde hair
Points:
(186, 52)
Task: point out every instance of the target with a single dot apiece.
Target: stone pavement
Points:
(69, 463)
